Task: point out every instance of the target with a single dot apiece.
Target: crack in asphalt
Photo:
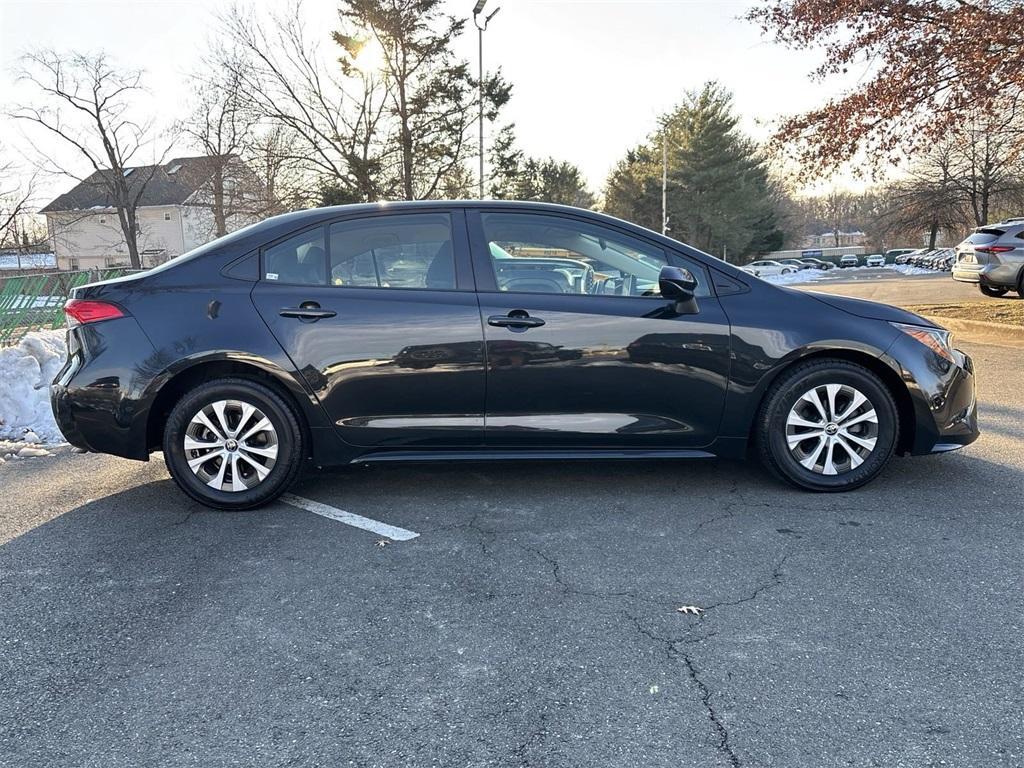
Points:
(675, 648)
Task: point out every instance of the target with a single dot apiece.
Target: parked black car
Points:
(462, 330)
(818, 264)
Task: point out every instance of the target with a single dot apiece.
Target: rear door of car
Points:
(378, 314)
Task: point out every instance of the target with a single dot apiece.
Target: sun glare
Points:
(371, 57)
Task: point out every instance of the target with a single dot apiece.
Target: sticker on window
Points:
(271, 275)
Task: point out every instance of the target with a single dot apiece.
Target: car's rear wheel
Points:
(827, 425)
(233, 444)
(993, 291)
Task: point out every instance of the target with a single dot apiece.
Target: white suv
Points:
(875, 260)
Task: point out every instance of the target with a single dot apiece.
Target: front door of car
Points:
(582, 350)
(379, 316)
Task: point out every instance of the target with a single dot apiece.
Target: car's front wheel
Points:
(233, 444)
(827, 425)
(993, 291)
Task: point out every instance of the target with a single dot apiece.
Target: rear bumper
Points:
(995, 275)
(96, 398)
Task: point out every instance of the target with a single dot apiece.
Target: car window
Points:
(535, 253)
(299, 260)
(984, 236)
(406, 251)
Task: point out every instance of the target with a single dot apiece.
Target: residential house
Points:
(836, 239)
(175, 212)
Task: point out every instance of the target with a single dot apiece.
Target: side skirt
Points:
(528, 455)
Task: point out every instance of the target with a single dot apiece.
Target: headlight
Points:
(938, 340)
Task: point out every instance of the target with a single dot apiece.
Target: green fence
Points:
(32, 302)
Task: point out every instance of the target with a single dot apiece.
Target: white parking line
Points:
(357, 521)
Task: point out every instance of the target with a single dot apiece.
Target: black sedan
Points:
(435, 330)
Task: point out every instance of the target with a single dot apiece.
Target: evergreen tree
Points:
(516, 176)
(720, 198)
(431, 95)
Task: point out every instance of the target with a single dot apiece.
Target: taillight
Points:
(994, 248)
(84, 311)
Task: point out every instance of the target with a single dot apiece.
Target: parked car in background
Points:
(818, 264)
(993, 257)
(769, 267)
(904, 258)
(944, 259)
(919, 259)
(894, 253)
(875, 260)
(430, 331)
(797, 264)
(849, 260)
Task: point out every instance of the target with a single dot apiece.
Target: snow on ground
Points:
(910, 269)
(26, 371)
(813, 275)
(803, 276)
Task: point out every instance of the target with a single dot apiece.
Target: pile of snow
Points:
(26, 371)
(910, 269)
(803, 276)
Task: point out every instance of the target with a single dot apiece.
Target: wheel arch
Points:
(175, 384)
(889, 377)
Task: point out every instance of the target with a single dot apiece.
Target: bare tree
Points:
(86, 103)
(16, 193)
(274, 155)
(222, 125)
(281, 75)
(990, 168)
(929, 198)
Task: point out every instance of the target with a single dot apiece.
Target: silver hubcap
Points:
(231, 445)
(832, 429)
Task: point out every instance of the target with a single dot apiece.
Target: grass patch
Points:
(1007, 310)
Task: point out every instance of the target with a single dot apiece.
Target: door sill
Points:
(531, 454)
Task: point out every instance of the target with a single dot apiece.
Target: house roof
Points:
(169, 184)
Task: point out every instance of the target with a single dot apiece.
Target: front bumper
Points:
(942, 394)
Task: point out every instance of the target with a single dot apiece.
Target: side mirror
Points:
(676, 283)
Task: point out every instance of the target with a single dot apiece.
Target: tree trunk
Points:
(933, 234)
(219, 214)
(128, 220)
(406, 139)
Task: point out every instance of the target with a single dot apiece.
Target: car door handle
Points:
(309, 310)
(514, 321)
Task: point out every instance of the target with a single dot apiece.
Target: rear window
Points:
(985, 236)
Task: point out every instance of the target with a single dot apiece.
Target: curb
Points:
(1000, 334)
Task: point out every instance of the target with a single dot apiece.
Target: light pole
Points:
(481, 28)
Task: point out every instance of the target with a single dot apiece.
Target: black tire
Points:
(288, 434)
(782, 396)
(993, 291)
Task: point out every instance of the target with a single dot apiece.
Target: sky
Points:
(590, 76)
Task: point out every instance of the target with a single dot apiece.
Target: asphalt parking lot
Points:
(533, 621)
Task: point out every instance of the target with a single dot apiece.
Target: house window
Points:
(103, 219)
(73, 264)
(113, 261)
(167, 216)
